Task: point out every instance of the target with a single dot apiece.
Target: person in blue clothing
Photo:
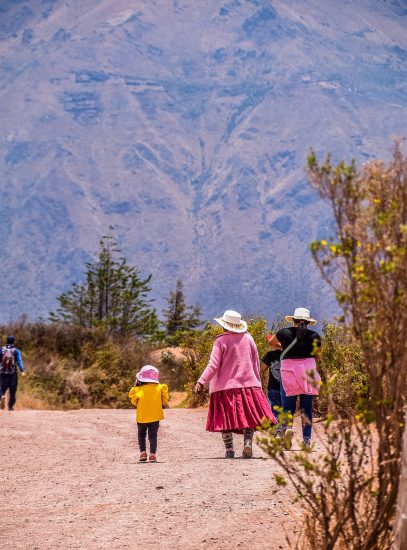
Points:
(10, 362)
(271, 362)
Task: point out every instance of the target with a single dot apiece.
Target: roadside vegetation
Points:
(104, 330)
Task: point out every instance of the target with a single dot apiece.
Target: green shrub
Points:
(341, 365)
(71, 367)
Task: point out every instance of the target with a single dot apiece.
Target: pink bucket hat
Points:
(148, 374)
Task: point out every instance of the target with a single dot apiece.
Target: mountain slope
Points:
(186, 126)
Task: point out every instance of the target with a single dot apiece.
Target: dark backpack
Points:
(275, 369)
(8, 363)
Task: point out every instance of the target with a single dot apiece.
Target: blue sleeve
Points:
(19, 360)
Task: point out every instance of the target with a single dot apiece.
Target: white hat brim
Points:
(147, 380)
(242, 327)
(290, 318)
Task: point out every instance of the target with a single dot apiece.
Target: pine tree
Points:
(113, 296)
(180, 318)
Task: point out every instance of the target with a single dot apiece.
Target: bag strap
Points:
(287, 349)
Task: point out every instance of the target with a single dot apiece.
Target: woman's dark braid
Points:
(301, 329)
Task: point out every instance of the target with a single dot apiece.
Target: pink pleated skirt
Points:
(236, 409)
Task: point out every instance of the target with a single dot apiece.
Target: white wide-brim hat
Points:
(301, 313)
(232, 321)
(148, 374)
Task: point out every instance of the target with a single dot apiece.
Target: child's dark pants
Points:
(274, 400)
(152, 429)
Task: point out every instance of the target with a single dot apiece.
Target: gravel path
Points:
(72, 480)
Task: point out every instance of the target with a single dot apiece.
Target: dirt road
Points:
(72, 480)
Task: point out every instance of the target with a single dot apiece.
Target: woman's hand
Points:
(198, 387)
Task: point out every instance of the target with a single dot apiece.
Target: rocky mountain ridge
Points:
(186, 127)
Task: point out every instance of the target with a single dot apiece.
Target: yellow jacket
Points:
(149, 400)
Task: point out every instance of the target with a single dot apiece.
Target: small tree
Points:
(401, 524)
(341, 365)
(351, 487)
(180, 319)
(366, 264)
(113, 296)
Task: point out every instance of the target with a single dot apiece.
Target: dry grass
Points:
(156, 355)
(27, 401)
(177, 398)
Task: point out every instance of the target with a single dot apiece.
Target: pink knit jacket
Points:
(234, 363)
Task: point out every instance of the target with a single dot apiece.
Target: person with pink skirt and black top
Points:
(299, 375)
(237, 402)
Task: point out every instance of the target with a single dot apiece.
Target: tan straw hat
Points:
(232, 321)
(301, 313)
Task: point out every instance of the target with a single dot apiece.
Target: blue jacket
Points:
(17, 354)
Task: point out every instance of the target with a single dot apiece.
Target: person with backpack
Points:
(299, 376)
(10, 362)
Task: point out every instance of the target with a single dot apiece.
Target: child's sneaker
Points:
(143, 457)
(288, 438)
(152, 458)
(230, 454)
(247, 449)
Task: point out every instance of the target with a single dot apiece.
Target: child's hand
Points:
(198, 387)
(274, 343)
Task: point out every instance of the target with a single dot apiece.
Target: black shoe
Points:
(230, 454)
(11, 408)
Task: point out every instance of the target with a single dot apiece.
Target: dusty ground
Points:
(72, 480)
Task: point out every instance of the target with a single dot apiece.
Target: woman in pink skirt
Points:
(237, 402)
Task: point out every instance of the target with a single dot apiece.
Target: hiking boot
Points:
(143, 457)
(152, 458)
(2, 401)
(288, 438)
(230, 454)
(247, 449)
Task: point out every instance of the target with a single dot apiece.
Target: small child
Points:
(271, 362)
(149, 396)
